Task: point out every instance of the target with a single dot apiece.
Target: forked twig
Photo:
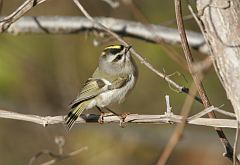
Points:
(177, 134)
(56, 157)
(20, 11)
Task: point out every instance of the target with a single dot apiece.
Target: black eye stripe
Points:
(114, 51)
(117, 58)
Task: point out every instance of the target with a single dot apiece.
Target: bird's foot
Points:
(101, 118)
(122, 119)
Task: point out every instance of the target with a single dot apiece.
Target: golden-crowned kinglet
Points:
(114, 77)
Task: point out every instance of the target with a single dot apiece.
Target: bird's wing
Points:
(96, 86)
(91, 88)
(119, 83)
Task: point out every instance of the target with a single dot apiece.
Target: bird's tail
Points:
(74, 114)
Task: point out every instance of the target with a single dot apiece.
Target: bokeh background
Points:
(41, 74)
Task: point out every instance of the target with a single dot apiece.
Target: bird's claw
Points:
(122, 119)
(101, 118)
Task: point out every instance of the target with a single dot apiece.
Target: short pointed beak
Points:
(128, 48)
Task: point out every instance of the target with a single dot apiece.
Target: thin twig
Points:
(173, 21)
(56, 157)
(169, 108)
(20, 11)
(206, 111)
(177, 134)
(227, 146)
(137, 13)
(171, 52)
(207, 45)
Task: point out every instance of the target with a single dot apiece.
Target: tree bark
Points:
(221, 24)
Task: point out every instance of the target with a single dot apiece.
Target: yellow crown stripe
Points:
(113, 47)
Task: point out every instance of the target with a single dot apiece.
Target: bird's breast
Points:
(115, 95)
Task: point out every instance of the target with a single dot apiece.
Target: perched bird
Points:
(114, 77)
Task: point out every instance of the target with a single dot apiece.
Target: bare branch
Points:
(177, 134)
(130, 118)
(73, 25)
(140, 16)
(20, 11)
(56, 157)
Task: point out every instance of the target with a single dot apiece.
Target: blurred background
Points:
(42, 74)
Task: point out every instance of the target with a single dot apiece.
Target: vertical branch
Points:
(169, 108)
(220, 21)
(177, 134)
(228, 148)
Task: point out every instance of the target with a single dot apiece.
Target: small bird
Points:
(113, 79)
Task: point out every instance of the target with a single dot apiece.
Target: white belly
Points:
(116, 95)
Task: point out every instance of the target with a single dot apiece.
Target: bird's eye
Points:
(118, 58)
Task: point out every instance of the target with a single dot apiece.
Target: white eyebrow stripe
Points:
(115, 56)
